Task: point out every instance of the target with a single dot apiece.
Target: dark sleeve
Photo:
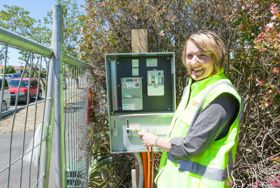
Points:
(212, 123)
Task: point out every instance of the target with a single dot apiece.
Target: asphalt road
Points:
(29, 173)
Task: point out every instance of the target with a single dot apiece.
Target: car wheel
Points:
(40, 95)
(4, 106)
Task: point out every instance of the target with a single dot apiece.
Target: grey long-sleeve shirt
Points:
(212, 123)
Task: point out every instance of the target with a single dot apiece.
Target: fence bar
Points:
(71, 60)
(57, 40)
(23, 43)
(47, 131)
(25, 120)
(3, 81)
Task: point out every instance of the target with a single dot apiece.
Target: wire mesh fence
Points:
(44, 116)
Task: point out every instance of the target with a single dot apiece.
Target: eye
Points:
(189, 56)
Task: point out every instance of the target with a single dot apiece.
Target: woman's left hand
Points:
(148, 139)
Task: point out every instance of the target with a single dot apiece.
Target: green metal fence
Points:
(43, 123)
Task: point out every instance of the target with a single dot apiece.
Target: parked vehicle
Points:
(10, 76)
(6, 97)
(23, 90)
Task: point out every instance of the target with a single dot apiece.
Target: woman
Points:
(202, 139)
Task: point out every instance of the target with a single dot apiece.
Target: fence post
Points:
(3, 81)
(47, 130)
(57, 41)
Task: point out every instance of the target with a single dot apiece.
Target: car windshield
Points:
(16, 76)
(15, 83)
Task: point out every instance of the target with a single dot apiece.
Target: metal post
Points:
(57, 40)
(46, 140)
(3, 82)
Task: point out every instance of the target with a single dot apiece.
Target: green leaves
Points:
(101, 169)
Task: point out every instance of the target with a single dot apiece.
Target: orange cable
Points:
(149, 168)
(152, 179)
(144, 157)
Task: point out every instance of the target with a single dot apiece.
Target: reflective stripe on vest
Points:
(202, 170)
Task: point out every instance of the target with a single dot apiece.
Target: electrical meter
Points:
(155, 82)
(141, 97)
(132, 93)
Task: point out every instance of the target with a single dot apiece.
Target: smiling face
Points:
(198, 62)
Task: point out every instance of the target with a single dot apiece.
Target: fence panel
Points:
(30, 115)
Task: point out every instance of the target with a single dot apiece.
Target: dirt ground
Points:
(6, 122)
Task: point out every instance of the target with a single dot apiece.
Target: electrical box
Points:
(141, 97)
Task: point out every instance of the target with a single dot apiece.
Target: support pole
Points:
(47, 131)
(57, 41)
(139, 43)
(139, 40)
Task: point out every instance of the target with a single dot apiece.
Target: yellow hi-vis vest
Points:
(212, 168)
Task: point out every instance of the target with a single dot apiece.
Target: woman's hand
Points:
(148, 139)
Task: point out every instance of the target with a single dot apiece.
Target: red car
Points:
(24, 89)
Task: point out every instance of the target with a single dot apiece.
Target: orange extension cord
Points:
(152, 179)
(149, 163)
(144, 157)
(148, 177)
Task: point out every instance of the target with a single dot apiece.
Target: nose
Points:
(194, 60)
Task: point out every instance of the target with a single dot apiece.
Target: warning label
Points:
(129, 106)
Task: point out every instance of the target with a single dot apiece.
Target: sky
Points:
(37, 10)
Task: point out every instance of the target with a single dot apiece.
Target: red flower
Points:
(256, 184)
(230, 183)
(262, 49)
(262, 36)
(276, 70)
(260, 82)
(274, 12)
(269, 27)
(256, 40)
(272, 6)
(275, 182)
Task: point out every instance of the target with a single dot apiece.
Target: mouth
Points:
(196, 70)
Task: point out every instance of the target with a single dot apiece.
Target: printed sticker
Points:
(135, 62)
(134, 125)
(129, 106)
(135, 71)
(151, 63)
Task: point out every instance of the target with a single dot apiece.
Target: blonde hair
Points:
(209, 42)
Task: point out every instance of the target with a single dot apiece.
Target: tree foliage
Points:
(72, 24)
(16, 19)
(249, 28)
(9, 70)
